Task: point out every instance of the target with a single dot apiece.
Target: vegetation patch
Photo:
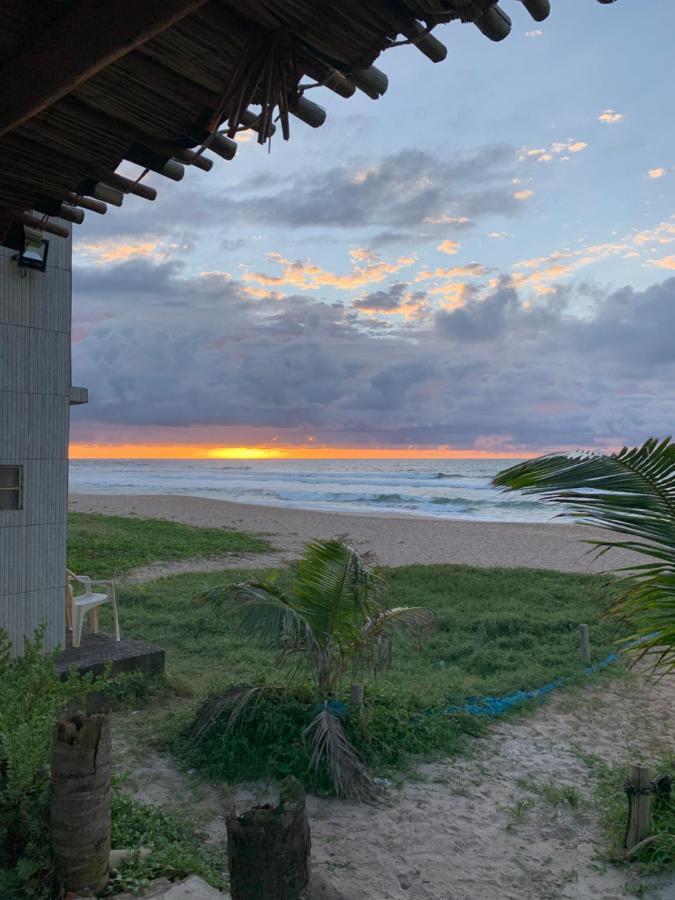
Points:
(498, 631)
(175, 851)
(658, 851)
(108, 546)
(389, 733)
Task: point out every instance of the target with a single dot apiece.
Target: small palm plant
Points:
(631, 493)
(334, 623)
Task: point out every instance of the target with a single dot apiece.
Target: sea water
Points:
(445, 489)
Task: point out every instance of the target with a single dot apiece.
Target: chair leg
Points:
(78, 619)
(95, 619)
(113, 602)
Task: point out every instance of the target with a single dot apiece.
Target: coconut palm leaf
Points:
(214, 706)
(347, 771)
(631, 493)
(336, 588)
(263, 611)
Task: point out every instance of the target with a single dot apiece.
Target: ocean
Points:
(444, 489)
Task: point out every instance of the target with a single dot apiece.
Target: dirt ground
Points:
(472, 828)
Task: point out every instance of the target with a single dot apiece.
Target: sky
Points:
(481, 262)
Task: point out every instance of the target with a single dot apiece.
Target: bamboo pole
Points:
(86, 203)
(40, 224)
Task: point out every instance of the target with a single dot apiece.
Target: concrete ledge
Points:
(99, 650)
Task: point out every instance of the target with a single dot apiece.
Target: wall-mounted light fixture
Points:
(34, 252)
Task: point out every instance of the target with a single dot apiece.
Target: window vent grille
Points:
(11, 487)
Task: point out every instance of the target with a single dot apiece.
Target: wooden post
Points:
(357, 695)
(268, 848)
(640, 802)
(80, 802)
(585, 645)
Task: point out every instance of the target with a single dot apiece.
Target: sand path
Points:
(477, 827)
(397, 540)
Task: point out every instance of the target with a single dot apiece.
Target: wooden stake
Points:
(357, 695)
(585, 645)
(640, 802)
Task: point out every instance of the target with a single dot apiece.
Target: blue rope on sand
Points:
(497, 706)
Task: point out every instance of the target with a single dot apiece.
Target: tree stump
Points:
(268, 848)
(80, 803)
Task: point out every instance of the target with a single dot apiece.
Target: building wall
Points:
(34, 417)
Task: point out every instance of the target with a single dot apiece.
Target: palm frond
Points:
(631, 493)
(414, 620)
(214, 706)
(347, 770)
(263, 611)
(335, 586)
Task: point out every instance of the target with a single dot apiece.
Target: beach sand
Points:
(479, 827)
(396, 540)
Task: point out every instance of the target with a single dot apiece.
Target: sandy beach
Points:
(396, 540)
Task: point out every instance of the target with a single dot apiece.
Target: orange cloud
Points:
(523, 195)
(111, 251)
(656, 173)
(667, 262)
(367, 268)
(450, 247)
(610, 117)
(473, 270)
(541, 154)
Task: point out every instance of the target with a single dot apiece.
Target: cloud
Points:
(610, 117)
(367, 268)
(407, 189)
(535, 33)
(656, 173)
(175, 352)
(667, 262)
(524, 194)
(556, 150)
(115, 251)
(450, 247)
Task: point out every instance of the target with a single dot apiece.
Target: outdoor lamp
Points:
(34, 252)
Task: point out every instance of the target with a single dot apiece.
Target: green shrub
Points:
(389, 731)
(31, 699)
(175, 850)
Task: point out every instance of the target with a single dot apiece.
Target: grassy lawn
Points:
(107, 546)
(500, 630)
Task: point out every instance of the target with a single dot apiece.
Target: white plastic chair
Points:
(77, 606)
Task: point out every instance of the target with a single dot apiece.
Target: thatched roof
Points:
(87, 84)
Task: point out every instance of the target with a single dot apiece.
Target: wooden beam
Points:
(89, 37)
(40, 224)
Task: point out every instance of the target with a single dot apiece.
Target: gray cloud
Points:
(163, 350)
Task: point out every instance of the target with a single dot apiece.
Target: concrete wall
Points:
(34, 417)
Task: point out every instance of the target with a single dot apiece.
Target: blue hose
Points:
(498, 706)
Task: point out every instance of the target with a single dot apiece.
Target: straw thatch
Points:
(177, 88)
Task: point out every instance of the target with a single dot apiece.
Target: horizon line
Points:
(81, 451)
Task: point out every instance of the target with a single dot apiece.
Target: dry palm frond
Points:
(347, 771)
(236, 698)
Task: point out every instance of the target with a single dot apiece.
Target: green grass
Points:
(499, 631)
(107, 546)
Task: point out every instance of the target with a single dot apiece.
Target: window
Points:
(11, 484)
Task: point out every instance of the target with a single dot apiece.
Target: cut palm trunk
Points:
(268, 848)
(80, 803)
